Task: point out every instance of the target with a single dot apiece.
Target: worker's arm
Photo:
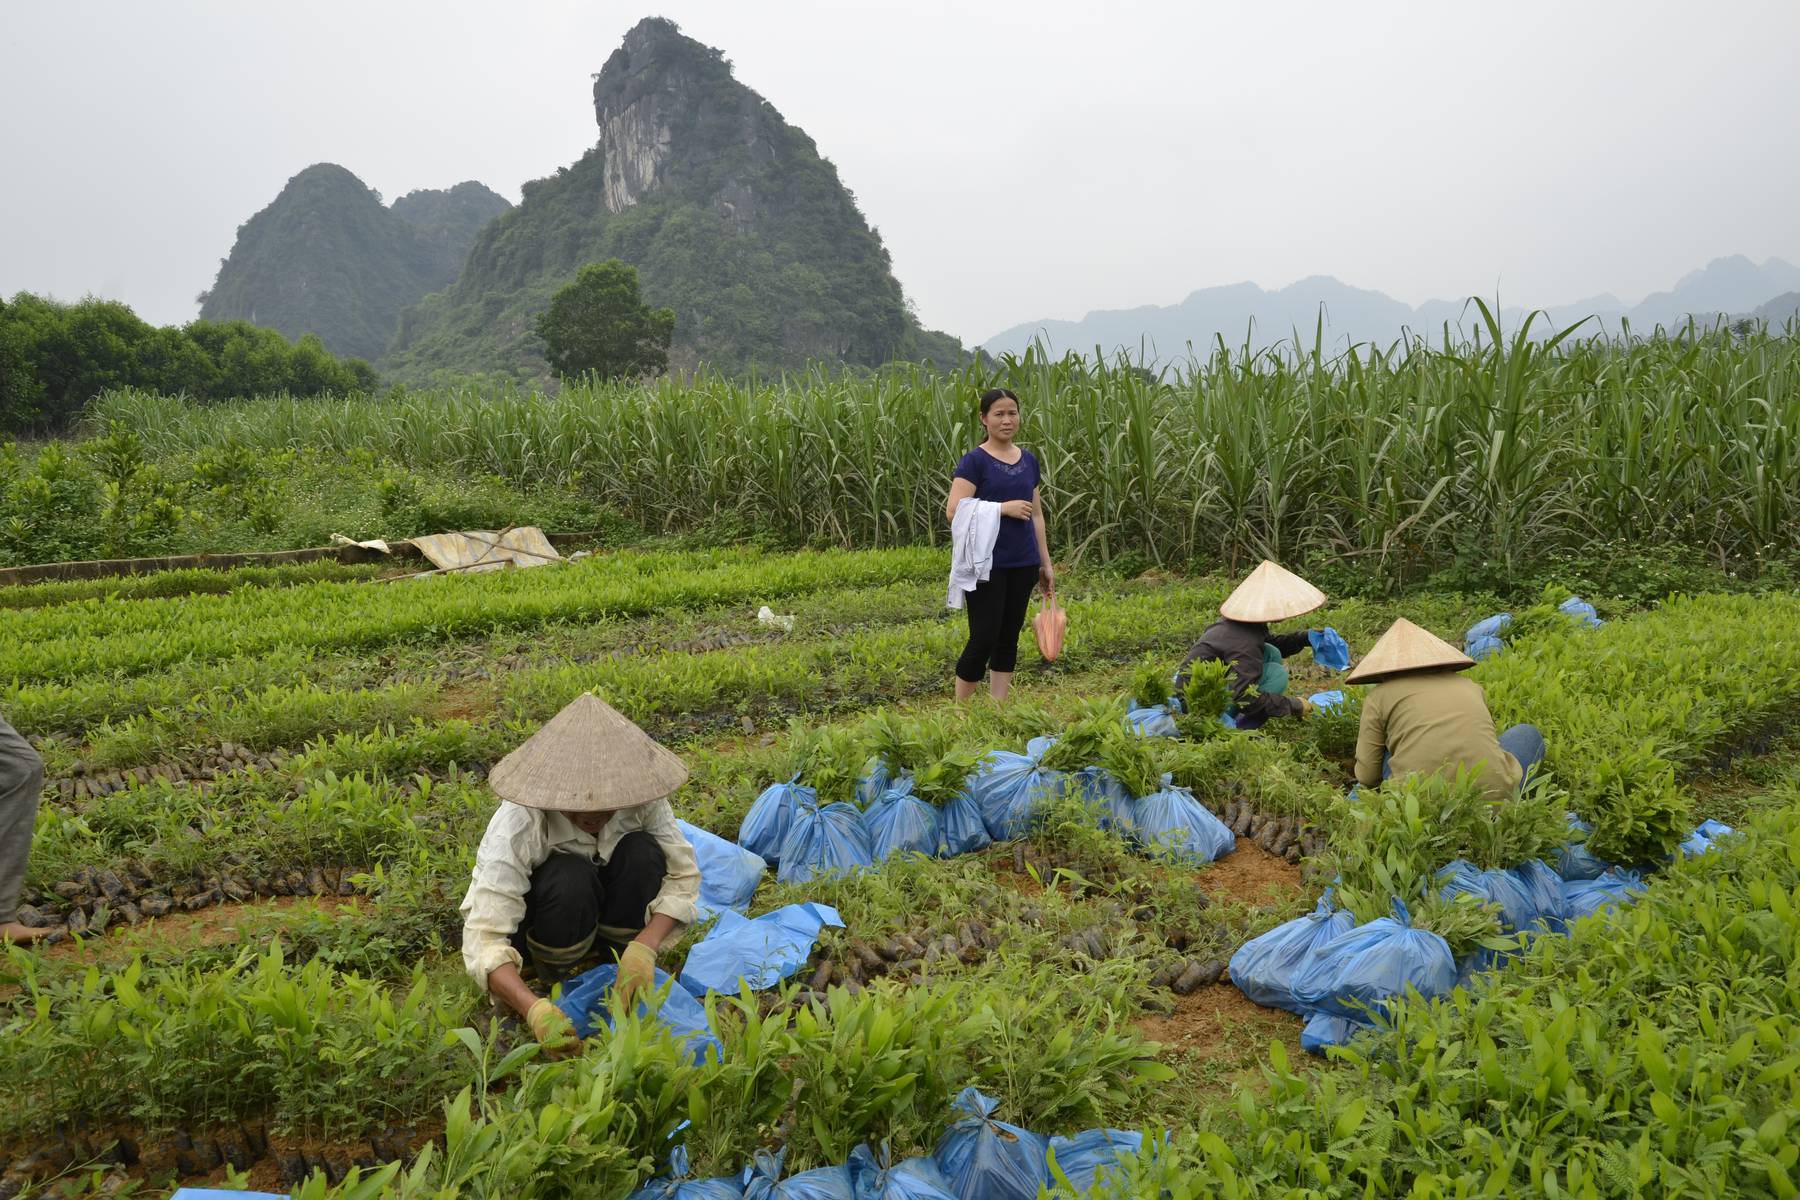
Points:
(510, 850)
(1046, 572)
(960, 489)
(1291, 644)
(1371, 742)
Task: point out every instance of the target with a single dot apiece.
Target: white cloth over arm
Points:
(973, 531)
(519, 839)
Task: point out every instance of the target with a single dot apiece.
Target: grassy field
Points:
(288, 768)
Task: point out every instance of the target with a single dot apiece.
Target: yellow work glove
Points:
(637, 972)
(553, 1029)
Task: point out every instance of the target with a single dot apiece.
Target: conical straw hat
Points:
(1271, 594)
(588, 758)
(1405, 647)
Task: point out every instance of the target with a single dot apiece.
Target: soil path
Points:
(1250, 874)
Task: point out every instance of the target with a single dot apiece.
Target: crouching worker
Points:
(1242, 639)
(1423, 717)
(582, 861)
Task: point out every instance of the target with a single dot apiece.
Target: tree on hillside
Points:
(599, 324)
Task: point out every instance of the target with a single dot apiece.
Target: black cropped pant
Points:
(996, 611)
(571, 897)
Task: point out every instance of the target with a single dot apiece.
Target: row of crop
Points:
(1650, 1052)
(320, 1052)
(184, 581)
(71, 640)
(1625, 707)
(72, 707)
(663, 691)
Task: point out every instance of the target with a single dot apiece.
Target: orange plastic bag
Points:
(1049, 625)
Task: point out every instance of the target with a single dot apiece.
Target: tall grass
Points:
(1398, 458)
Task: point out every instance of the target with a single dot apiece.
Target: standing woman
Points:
(1005, 474)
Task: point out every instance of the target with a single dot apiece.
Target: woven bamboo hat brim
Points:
(1271, 594)
(1405, 647)
(588, 758)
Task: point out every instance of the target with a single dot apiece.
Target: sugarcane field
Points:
(585, 690)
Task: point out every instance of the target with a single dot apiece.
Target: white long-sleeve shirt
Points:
(973, 531)
(519, 839)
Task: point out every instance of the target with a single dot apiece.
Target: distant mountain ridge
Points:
(1238, 311)
(327, 257)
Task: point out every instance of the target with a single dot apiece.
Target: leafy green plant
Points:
(1205, 698)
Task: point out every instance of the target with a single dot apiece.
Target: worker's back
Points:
(1436, 721)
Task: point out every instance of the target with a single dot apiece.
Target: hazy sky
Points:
(1021, 159)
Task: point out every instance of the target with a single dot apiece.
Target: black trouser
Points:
(996, 611)
(571, 896)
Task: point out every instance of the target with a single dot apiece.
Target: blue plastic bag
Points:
(883, 1179)
(1088, 1156)
(900, 821)
(677, 1186)
(1528, 896)
(879, 780)
(760, 952)
(763, 1181)
(1010, 788)
(1580, 609)
(824, 841)
(728, 872)
(1361, 970)
(961, 829)
(1329, 701)
(1264, 968)
(985, 1159)
(1155, 721)
(1575, 860)
(1705, 834)
(1324, 1030)
(1101, 788)
(1173, 820)
(1585, 897)
(1483, 648)
(584, 1002)
(1494, 627)
(765, 827)
(1329, 648)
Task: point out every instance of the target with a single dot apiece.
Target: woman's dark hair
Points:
(992, 394)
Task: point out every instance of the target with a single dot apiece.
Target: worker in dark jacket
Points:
(1242, 638)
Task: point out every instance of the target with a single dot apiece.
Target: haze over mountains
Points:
(1729, 286)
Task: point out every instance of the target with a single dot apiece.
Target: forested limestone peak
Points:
(327, 257)
(728, 212)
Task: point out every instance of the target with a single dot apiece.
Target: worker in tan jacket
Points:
(1424, 717)
(582, 860)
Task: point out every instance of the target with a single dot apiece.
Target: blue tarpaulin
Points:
(1329, 648)
(760, 952)
(728, 872)
(584, 1001)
